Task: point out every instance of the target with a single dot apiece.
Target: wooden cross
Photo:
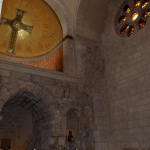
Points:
(15, 25)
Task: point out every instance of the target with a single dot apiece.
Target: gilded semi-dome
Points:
(30, 32)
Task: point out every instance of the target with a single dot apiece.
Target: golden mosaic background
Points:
(46, 33)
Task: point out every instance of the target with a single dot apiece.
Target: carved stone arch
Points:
(63, 14)
(81, 15)
(66, 21)
(26, 90)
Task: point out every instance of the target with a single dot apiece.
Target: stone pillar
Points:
(68, 57)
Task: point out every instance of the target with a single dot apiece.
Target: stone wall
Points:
(48, 99)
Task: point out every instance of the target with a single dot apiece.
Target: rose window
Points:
(132, 17)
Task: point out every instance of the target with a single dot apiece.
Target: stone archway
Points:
(34, 101)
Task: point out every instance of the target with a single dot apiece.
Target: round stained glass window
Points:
(132, 17)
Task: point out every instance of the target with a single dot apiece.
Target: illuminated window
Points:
(132, 17)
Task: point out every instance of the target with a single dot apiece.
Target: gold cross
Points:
(15, 25)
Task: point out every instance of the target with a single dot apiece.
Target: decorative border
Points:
(32, 59)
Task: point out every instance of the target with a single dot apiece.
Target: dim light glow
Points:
(142, 23)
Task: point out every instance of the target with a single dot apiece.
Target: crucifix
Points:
(16, 25)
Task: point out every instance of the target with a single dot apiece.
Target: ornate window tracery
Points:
(132, 17)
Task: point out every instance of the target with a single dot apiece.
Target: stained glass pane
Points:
(127, 9)
(134, 16)
(145, 3)
(146, 14)
(122, 19)
(131, 31)
(137, 3)
(124, 29)
(141, 23)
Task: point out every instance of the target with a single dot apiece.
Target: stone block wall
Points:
(91, 70)
(127, 79)
(47, 99)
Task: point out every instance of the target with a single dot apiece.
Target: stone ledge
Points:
(36, 71)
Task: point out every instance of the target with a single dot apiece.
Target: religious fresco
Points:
(30, 33)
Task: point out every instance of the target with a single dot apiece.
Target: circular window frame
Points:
(129, 22)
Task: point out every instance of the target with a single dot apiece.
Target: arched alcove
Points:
(51, 46)
(26, 114)
(73, 119)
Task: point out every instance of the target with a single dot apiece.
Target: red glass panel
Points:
(124, 29)
(137, 3)
(131, 31)
(122, 19)
(145, 3)
(142, 23)
(127, 9)
(147, 14)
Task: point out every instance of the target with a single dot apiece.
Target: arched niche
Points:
(72, 121)
(28, 109)
(65, 19)
(62, 54)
